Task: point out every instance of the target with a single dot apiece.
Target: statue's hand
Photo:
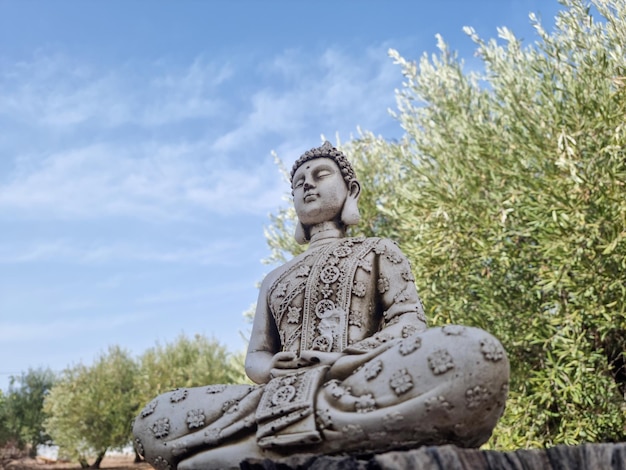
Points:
(286, 362)
(320, 357)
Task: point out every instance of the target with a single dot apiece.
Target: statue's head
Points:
(329, 169)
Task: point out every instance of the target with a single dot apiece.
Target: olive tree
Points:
(91, 407)
(509, 199)
(21, 410)
(186, 362)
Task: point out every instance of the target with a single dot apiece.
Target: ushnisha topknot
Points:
(327, 150)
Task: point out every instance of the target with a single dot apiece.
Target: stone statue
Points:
(341, 352)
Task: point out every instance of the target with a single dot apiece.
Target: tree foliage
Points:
(186, 362)
(508, 194)
(91, 408)
(21, 410)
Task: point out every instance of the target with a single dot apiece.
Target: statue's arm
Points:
(403, 313)
(264, 340)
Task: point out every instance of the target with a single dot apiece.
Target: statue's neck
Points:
(325, 232)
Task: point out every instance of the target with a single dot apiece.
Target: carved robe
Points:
(343, 293)
(356, 296)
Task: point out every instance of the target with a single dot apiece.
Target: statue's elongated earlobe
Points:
(350, 213)
(301, 235)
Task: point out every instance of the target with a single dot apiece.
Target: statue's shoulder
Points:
(380, 244)
(277, 272)
(388, 250)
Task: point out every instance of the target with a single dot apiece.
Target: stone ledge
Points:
(448, 457)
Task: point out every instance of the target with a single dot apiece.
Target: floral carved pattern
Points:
(293, 315)
(359, 289)
(211, 389)
(365, 403)
(281, 289)
(438, 402)
(365, 264)
(401, 296)
(401, 382)
(161, 428)
(392, 420)
(161, 464)
(303, 271)
(336, 390)
(212, 436)
(453, 330)
(440, 361)
(475, 396)
(149, 408)
(372, 369)
(408, 330)
(178, 395)
(284, 394)
(353, 432)
(409, 345)
(139, 447)
(342, 251)
(323, 419)
(324, 306)
(394, 257)
(383, 284)
(355, 318)
(195, 418)
(329, 274)
(491, 350)
(230, 406)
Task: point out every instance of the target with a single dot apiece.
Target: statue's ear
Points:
(301, 235)
(350, 212)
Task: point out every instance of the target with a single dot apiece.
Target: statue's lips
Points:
(310, 197)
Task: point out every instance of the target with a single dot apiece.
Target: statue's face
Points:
(319, 191)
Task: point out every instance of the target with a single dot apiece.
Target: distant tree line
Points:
(87, 410)
(508, 194)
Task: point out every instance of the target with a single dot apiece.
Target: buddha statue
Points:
(340, 351)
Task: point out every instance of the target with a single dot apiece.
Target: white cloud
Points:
(186, 294)
(16, 332)
(58, 93)
(159, 141)
(333, 92)
(148, 180)
(215, 252)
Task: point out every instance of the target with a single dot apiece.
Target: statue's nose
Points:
(308, 185)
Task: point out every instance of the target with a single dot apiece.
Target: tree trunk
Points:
(98, 461)
(83, 462)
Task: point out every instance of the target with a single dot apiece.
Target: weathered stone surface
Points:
(341, 354)
(583, 457)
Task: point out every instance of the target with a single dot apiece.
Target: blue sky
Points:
(136, 174)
